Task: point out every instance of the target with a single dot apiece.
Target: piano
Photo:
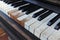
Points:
(31, 19)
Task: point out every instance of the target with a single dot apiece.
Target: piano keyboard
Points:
(42, 22)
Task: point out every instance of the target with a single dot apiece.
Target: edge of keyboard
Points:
(11, 30)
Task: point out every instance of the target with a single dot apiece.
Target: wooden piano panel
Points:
(3, 35)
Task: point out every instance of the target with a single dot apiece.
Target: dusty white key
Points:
(41, 28)
(39, 23)
(55, 35)
(48, 32)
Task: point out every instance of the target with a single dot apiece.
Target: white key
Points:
(18, 13)
(5, 7)
(22, 17)
(49, 31)
(55, 35)
(41, 28)
(28, 23)
(39, 23)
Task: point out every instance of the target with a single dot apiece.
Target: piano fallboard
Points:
(45, 5)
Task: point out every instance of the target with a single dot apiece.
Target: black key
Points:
(11, 1)
(29, 8)
(18, 4)
(53, 20)
(39, 13)
(32, 8)
(5, 1)
(26, 8)
(23, 7)
(57, 27)
(15, 3)
(41, 17)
